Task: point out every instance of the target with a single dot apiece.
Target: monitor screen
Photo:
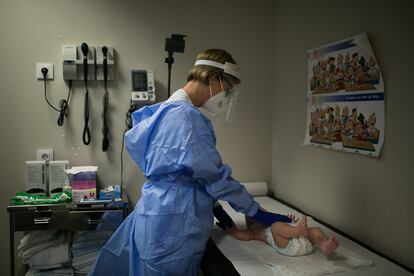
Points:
(139, 81)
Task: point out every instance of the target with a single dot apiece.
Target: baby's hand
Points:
(293, 218)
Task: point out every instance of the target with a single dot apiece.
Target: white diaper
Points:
(296, 246)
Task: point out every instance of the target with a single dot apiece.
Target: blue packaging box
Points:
(109, 194)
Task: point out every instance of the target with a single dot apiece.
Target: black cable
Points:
(105, 129)
(86, 136)
(44, 80)
(63, 104)
(122, 159)
(128, 123)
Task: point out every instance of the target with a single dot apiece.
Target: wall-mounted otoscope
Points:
(85, 50)
(86, 135)
(105, 62)
(104, 71)
(105, 129)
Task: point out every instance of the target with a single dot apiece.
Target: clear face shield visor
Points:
(227, 100)
(230, 99)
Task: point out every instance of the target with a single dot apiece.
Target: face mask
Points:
(217, 104)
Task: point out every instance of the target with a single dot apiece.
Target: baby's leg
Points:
(256, 227)
(260, 235)
(316, 236)
(280, 241)
(319, 239)
(259, 230)
(241, 235)
(288, 231)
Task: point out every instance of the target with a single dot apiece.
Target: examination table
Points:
(257, 258)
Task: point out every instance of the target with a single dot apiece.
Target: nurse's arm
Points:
(206, 167)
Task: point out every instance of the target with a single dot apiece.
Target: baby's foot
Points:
(328, 246)
(303, 226)
(335, 240)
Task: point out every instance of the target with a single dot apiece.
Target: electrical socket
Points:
(45, 154)
(49, 67)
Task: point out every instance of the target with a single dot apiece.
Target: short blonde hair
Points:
(203, 73)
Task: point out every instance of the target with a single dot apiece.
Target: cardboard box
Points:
(83, 186)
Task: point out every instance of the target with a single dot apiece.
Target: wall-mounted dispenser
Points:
(69, 62)
(102, 53)
(74, 59)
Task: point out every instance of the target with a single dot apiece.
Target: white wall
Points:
(370, 199)
(34, 31)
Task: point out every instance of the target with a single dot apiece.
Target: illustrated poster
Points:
(345, 98)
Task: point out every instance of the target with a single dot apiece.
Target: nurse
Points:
(174, 145)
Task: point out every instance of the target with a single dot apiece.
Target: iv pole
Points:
(170, 61)
(174, 44)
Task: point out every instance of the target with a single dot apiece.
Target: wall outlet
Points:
(45, 154)
(49, 67)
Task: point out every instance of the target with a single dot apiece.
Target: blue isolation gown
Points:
(175, 147)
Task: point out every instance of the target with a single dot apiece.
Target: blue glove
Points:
(224, 220)
(268, 218)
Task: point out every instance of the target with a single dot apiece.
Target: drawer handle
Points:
(41, 220)
(43, 211)
(95, 221)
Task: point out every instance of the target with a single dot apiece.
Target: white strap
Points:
(210, 63)
(228, 67)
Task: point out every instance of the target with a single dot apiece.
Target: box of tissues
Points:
(83, 182)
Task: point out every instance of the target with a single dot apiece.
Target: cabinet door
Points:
(100, 220)
(41, 220)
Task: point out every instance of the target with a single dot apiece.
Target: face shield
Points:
(226, 99)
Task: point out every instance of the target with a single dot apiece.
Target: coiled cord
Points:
(63, 104)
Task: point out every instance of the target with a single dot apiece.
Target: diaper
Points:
(296, 247)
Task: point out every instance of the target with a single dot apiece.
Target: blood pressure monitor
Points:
(143, 88)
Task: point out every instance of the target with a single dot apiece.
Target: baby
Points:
(291, 239)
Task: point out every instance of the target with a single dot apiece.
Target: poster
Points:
(345, 97)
